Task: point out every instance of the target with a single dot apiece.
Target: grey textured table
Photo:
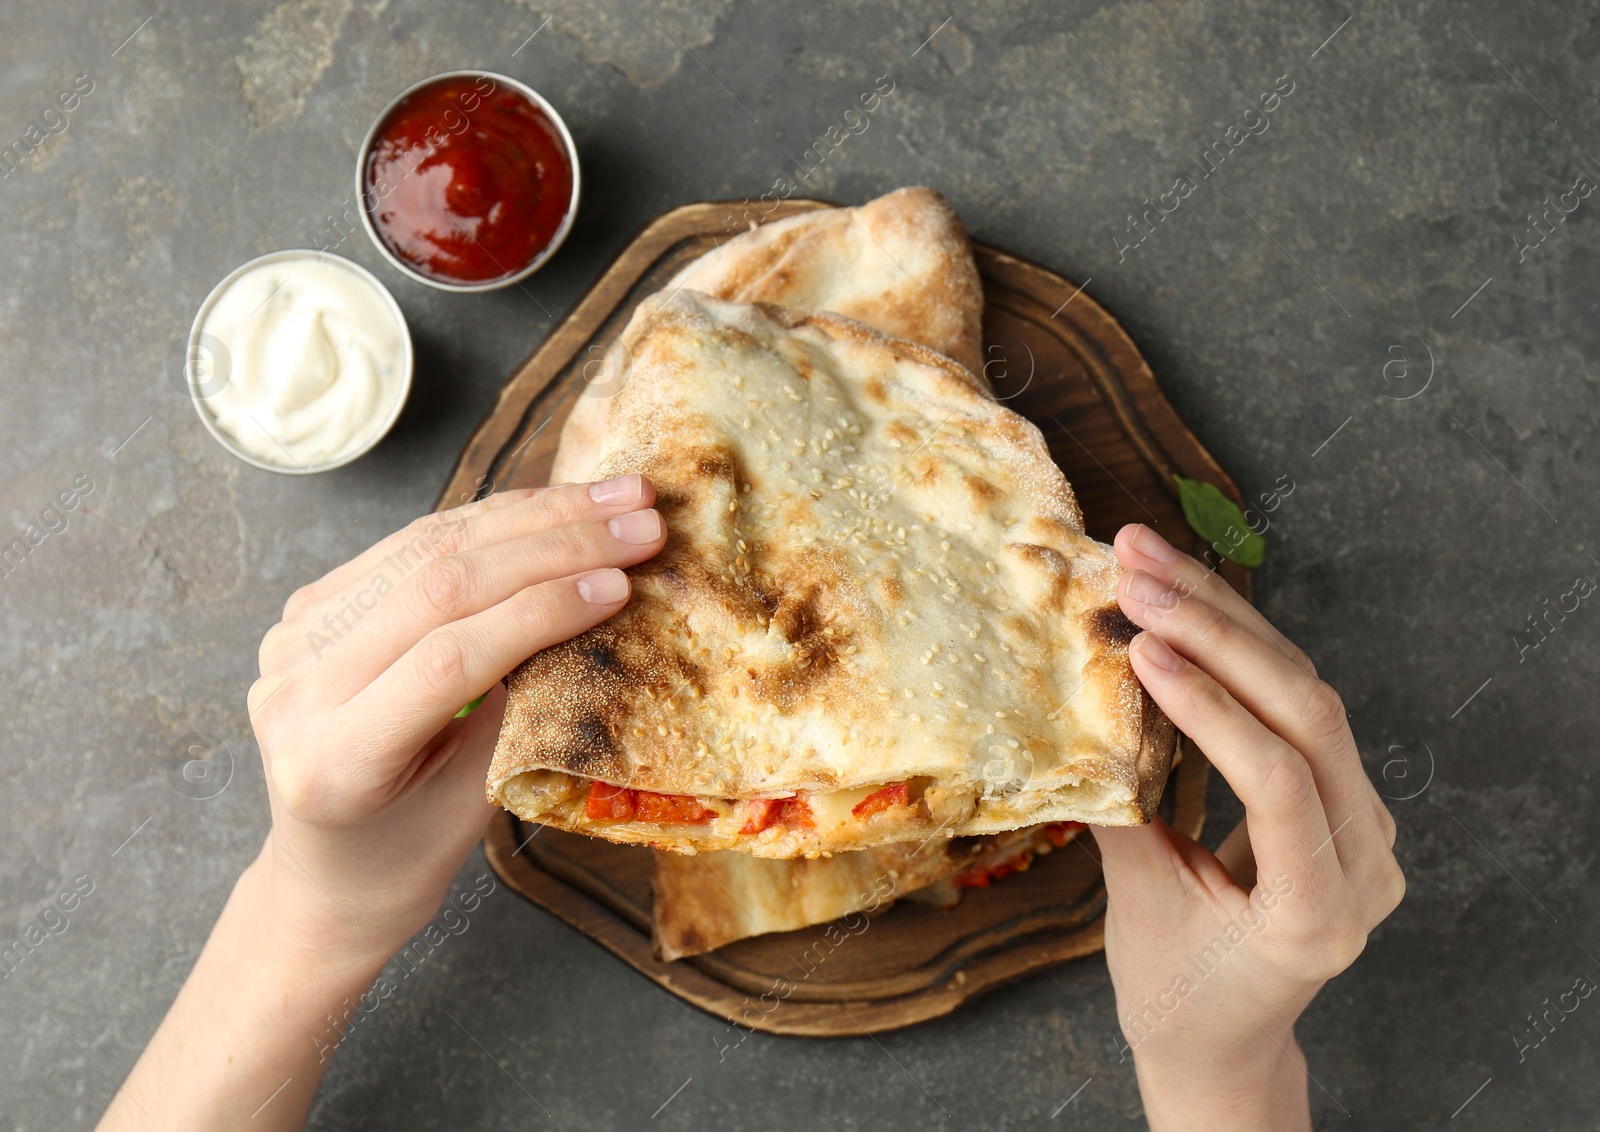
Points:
(1381, 217)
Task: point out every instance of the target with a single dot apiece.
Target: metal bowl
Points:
(539, 260)
(197, 381)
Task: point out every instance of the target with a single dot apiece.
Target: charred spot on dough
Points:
(890, 590)
(690, 941)
(983, 492)
(769, 597)
(719, 462)
(1109, 627)
(873, 389)
(592, 751)
(899, 430)
(925, 471)
(790, 684)
(711, 474)
(598, 655)
(795, 616)
(1054, 565)
(670, 504)
(1021, 628)
(804, 620)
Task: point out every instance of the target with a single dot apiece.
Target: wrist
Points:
(1257, 1086)
(305, 933)
(255, 1023)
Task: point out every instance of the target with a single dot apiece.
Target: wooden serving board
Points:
(1054, 355)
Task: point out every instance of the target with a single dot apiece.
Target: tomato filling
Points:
(760, 813)
(606, 802)
(984, 877)
(880, 800)
(669, 807)
(1057, 831)
(763, 813)
(796, 812)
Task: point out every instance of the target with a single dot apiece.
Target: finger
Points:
(1156, 875)
(1141, 867)
(1140, 548)
(512, 514)
(1237, 856)
(1287, 822)
(426, 528)
(1206, 867)
(460, 585)
(329, 609)
(446, 793)
(1300, 709)
(454, 781)
(416, 696)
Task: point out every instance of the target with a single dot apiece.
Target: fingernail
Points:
(622, 489)
(603, 587)
(1149, 590)
(1158, 652)
(636, 526)
(1152, 545)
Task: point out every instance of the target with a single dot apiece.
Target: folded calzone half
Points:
(711, 899)
(877, 617)
(899, 263)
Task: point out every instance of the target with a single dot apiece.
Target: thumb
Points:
(459, 784)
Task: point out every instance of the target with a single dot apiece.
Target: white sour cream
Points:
(312, 359)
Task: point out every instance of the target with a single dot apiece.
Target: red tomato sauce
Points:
(467, 181)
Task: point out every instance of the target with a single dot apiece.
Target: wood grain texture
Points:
(1057, 357)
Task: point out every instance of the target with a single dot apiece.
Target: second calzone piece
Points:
(900, 263)
(877, 616)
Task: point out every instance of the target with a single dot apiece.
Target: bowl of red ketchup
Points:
(468, 181)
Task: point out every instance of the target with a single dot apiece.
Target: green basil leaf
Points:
(1219, 521)
(470, 708)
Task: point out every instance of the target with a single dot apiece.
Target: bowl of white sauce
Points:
(299, 362)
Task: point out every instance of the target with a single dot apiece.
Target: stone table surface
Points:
(1381, 294)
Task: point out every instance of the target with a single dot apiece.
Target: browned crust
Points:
(1110, 632)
